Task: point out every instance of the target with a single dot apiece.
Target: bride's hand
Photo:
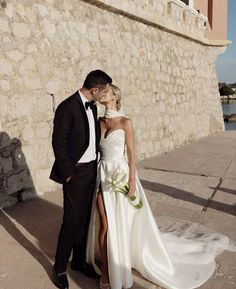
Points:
(131, 184)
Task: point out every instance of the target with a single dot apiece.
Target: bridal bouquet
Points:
(117, 182)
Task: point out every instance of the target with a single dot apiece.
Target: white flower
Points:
(116, 178)
(117, 182)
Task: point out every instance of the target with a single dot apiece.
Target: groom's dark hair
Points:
(96, 78)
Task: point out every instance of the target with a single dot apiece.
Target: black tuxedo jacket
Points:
(70, 137)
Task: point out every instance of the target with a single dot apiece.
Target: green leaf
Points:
(123, 191)
(132, 197)
(139, 206)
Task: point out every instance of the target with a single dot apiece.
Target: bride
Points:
(123, 233)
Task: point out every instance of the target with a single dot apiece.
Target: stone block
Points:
(28, 133)
(6, 164)
(27, 66)
(5, 67)
(18, 105)
(33, 83)
(5, 85)
(28, 194)
(48, 27)
(20, 158)
(4, 25)
(42, 103)
(6, 200)
(42, 10)
(9, 10)
(32, 48)
(15, 55)
(20, 10)
(42, 182)
(42, 130)
(30, 15)
(6, 40)
(18, 181)
(5, 140)
(21, 30)
(53, 86)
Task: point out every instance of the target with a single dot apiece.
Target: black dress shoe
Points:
(60, 280)
(86, 269)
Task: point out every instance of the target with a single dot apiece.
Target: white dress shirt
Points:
(90, 154)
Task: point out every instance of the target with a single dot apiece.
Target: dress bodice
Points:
(112, 146)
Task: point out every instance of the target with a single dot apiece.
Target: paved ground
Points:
(196, 182)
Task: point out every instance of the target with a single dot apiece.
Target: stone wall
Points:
(47, 47)
(172, 15)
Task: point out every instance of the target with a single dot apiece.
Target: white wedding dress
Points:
(169, 259)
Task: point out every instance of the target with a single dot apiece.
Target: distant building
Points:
(216, 12)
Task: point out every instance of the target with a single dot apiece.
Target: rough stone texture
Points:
(168, 81)
(15, 179)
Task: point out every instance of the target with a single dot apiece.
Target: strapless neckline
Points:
(113, 131)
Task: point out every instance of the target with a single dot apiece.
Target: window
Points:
(185, 1)
(210, 12)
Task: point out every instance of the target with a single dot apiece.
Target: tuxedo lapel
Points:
(97, 130)
(97, 126)
(82, 108)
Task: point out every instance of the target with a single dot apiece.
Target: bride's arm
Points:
(129, 139)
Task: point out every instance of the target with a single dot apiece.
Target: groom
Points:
(75, 143)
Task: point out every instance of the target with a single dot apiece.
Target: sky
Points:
(226, 63)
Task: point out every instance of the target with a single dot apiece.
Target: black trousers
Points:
(78, 196)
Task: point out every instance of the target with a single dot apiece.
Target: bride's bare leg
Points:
(102, 237)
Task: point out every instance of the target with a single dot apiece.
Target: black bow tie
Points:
(89, 104)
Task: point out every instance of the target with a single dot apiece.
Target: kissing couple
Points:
(107, 222)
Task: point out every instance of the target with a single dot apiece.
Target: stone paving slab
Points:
(225, 276)
(231, 172)
(225, 198)
(164, 208)
(188, 191)
(210, 156)
(220, 221)
(224, 139)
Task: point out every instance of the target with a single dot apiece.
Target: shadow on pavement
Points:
(15, 233)
(188, 197)
(226, 190)
(42, 220)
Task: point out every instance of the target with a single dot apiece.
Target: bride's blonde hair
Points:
(116, 91)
